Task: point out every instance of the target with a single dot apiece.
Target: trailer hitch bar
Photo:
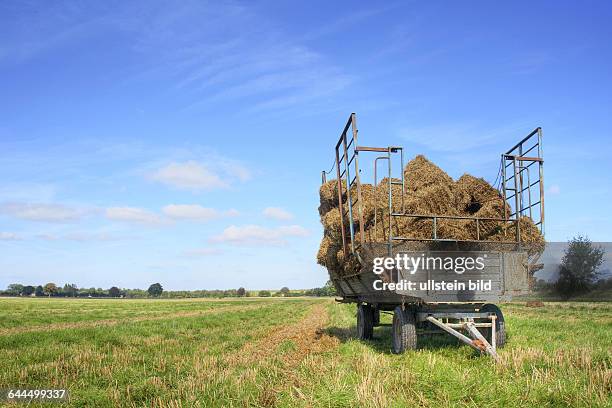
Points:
(477, 341)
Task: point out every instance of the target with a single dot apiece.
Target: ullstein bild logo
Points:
(411, 264)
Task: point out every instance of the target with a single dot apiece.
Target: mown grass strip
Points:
(111, 322)
(142, 362)
(18, 312)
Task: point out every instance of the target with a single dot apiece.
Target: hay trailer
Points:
(470, 315)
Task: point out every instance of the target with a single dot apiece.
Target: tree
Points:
(50, 289)
(14, 289)
(241, 292)
(579, 267)
(39, 291)
(28, 290)
(70, 290)
(114, 292)
(264, 293)
(284, 291)
(155, 290)
(229, 293)
(329, 289)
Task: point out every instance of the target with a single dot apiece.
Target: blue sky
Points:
(145, 141)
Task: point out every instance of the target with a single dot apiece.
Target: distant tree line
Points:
(327, 290)
(71, 290)
(155, 290)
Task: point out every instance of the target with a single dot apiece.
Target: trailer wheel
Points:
(365, 322)
(376, 317)
(404, 330)
(500, 325)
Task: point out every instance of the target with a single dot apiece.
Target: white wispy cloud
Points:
(234, 169)
(554, 189)
(27, 192)
(251, 59)
(258, 235)
(190, 175)
(232, 212)
(459, 137)
(277, 213)
(9, 236)
(79, 237)
(134, 215)
(218, 173)
(33, 34)
(240, 51)
(346, 20)
(196, 212)
(42, 212)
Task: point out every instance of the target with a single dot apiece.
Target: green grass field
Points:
(293, 352)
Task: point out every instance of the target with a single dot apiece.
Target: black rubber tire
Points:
(500, 325)
(376, 317)
(365, 322)
(404, 330)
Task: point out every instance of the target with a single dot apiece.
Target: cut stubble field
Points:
(293, 352)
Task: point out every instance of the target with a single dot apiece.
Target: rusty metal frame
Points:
(349, 144)
(375, 188)
(389, 150)
(435, 219)
(465, 321)
(518, 182)
(520, 158)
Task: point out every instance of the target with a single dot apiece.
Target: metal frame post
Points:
(340, 204)
(390, 184)
(357, 178)
(541, 171)
(517, 201)
(348, 192)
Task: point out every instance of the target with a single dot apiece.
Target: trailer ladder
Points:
(526, 186)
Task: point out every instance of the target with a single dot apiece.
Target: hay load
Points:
(428, 190)
(420, 173)
(328, 196)
(473, 193)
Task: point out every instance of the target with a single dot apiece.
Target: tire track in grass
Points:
(308, 337)
(113, 322)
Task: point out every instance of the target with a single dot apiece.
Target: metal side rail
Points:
(466, 322)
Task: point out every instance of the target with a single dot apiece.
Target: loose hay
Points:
(328, 196)
(381, 195)
(438, 199)
(473, 193)
(327, 255)
(491, 209)
(420, 173)
(428, 191)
